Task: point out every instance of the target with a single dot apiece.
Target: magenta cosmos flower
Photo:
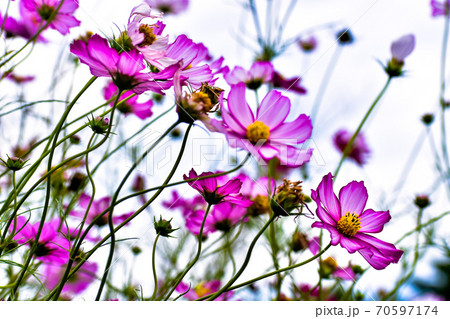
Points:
(290, 85)
(40, 11)
(440, 8)
(169, 6)
(131, 105)
(259, 73)
(19, 28)
(203, 289)
(147, 38)
(52, 246)
(76, 284)
(349, 224)
(192, 57)
(97, 207)
(266, 135)
(218, 189)
(359, 151)
(125, 68)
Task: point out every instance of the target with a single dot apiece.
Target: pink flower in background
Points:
(203, 289)
(259, 73)
(349, 224)
(52, 246)
(440, 7)
(97, 207)
(76, 284)
(359, 151)
(218, 189)
(403, 47)
(147, 38)
(125, 69)
(169, 6)
(18, 79)
(290, 85)
(19, 28)
(142, 110)
(223, 217)
(40, 11)
(267, 134)
(192, 57)
(187, 206)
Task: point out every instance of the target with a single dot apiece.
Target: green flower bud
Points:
(14, 163)
(163, 227)
(99, 125)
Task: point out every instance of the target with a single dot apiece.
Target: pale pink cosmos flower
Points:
(40, 11)
(218, 189)
(169, 6)
(350, 225)
(440, 7)
(126, 69)
(192, 56)
(359, 151)
(52, 246)
(266, 135)
(97, 207)
(402, 47)
(203, 289)
(260, 72)
(147, 38)
(142, 110)
(19, 28)
(76, 284)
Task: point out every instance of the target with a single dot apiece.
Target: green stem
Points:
(249, 282)
(197, 255)
(349, 145)
(246, 261)
(155, 278)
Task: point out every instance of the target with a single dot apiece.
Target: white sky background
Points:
(391, 131)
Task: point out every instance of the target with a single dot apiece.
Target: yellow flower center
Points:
(201, 290)
(260, 205)
(257, 131)
(202, 98)
(349, 224)
(149, 37)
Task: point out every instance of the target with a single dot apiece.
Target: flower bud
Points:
(76, 182)
(163, 227)
(99, 125)
(427, 119)
(422, 201)
(299, 241)
(400, 49)
(329, 266)
(14, 163)
(308, 44)
(288, 197)
(344, 37)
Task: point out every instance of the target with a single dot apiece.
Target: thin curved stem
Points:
(246, 261)
(155, 277)
(349, 145)
(197, 255)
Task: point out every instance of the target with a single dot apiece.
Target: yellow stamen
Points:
(201, 290)
(149, 37)
(257, 131)
(349, 224)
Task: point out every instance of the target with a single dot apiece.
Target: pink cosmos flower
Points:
(169, 6)
(19, 28)
(349, 224)
(97, 207)
(76, 284)
(125, 68)
(203, 289)
(192, 57)
(218, 189)
(222, 217)
(40, 11)
(346, 273)
(259, 73)
(403, 47)
(185, 205)
(266, 135)
(291, 85)
(142, 110)
(359, 151)
(18, 79)
(147, 38)
(440, 8)
(52, 246)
